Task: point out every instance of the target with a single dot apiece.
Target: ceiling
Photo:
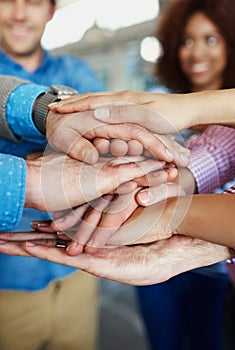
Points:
(66, 2)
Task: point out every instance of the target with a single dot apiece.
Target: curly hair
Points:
(170, 30)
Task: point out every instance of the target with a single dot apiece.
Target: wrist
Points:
(32, 189)
(41, 109)
(41, 105)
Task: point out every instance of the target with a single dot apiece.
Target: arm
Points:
(12, 190)
(8, 85)
(161, 113)
(70, 133)
(207, 217)
(135, 265)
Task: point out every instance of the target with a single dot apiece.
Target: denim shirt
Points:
(23, 273)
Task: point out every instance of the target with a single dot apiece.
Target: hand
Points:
(135, 265)
(95, 223)
(160, 113)
(48, 239)
(72, 134)
(57, 182)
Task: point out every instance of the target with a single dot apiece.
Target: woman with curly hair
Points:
(198, 53)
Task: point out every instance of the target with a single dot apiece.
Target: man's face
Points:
(22, 23)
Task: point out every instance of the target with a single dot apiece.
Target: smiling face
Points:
(203, 53)
(22, 23)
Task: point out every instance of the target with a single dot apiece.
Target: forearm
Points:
(12, 190)
(209, 217)
(213, 107)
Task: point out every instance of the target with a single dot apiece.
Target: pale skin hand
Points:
(93, 224)
(72, 133)
(135, 265)
(160, 113)
(57, 182)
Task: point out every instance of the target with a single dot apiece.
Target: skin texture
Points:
(160, 113)
(72, 134)
(56, 181)
(135, 265)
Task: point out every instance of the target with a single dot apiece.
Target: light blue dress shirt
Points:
(23, 273)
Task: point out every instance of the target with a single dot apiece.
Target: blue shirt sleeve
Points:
(19, 112)
(12, 190)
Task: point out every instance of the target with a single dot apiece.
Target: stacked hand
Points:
(101, 196)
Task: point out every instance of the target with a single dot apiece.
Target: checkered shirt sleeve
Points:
(212, 157)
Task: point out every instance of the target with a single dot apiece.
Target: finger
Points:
(68, 221)
(156, 194)
(181, 154)
(53, 254)
(126, 187)
(74, 144)
(23, 236)
(115, 215)
(118, 147)
(131, 171)
(130, 132)
(49, 242)
(13, 248)
(102, 145)
(135, 148)
(157, 178)
(42, 225)
(88, 225)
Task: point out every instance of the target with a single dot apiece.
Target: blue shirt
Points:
(22, 273)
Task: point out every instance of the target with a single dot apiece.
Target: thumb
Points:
(76, 146)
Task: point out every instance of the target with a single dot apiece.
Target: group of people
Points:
(141, 218)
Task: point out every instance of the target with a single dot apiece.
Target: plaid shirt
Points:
(212, 157)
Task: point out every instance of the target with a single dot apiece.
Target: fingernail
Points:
(30, 244)
(144, 197)
(102, 113)
(90, 156)
(73, 245)
(40, 223)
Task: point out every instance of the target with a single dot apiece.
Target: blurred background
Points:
(108, 34)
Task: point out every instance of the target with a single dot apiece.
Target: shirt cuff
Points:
(12, 190)
(205, 171)
(19, 112)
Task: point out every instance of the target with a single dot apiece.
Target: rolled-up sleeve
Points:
(12, 190)
(212, 157)
(19, 112)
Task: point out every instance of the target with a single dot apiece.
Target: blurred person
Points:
(198, 54)
(39, 298)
